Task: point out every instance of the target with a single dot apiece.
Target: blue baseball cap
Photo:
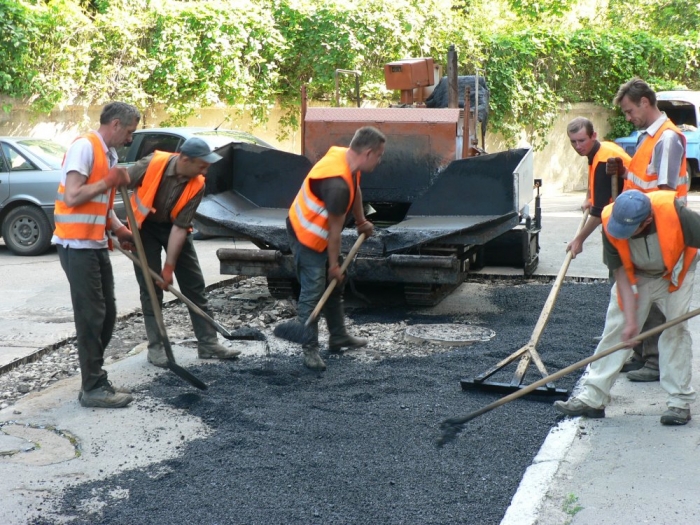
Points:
(629, 211)
(196, 148)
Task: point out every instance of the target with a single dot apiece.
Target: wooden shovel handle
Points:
(351, 255)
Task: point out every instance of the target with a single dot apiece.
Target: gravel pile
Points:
(357, 443)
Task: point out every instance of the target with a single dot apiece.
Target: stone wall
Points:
(558, 165)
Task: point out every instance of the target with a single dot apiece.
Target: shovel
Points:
(296, 332)
(453, 426)
(172, 365)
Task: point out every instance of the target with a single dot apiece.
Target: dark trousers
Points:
(190, 280)
(91, 282)
(311, 269)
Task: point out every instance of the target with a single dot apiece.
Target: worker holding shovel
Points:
(83, 215)
(316, 219)
(650, 244)
(168, 189)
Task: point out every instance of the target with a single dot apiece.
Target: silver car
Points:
(30, 172)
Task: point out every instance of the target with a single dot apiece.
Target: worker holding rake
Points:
(650, 244)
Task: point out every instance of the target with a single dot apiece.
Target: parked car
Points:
(146, 141)
(682, 107)
(30, 172)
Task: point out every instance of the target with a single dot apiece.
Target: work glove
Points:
(167, 275)
(117, 176)
(614, 166)
(365, 227)
(125, 238)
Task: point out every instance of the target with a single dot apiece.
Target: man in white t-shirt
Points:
(83, 215)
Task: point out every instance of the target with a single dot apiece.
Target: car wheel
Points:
(27, 231)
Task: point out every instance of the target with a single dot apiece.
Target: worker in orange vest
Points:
(584, 140)
(83, 215)
(659, 163)
(168, 188)
(650, 243)
(330, 192)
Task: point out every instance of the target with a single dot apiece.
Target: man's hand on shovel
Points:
(125, 238)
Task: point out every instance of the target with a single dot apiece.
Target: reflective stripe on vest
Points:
(639, 179)
(142, 199)
(308, 214)
(677, 257)
(606, 151)
(87, 221)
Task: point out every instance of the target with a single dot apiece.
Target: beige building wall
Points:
(558, 165)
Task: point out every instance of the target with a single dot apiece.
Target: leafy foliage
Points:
(253, 54)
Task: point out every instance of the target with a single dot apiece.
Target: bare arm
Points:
(629, 303)
(358, 208)
(78, 191)
(576, 246)
(175, 243)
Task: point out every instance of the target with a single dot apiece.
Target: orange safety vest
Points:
(639, 179)
(308, 215)
(87, 221)
(142, 199)
(670, 232)
(606, 151)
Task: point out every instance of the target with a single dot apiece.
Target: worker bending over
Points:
(650, 244)
(168, 189)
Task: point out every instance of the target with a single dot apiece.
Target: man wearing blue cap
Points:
(650, 244)
(168, 189)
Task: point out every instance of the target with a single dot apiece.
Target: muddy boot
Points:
(156, 351)
(312, 359)
(211, 350)
(208, 346)
(339, 339)
(105, 396)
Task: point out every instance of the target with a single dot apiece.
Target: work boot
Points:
(156, 350)
(336, 344)
(575, 407)
(312, 359)
(644, 375)
(118, 389)
(216, 350)
(335, 319)
(632, 364)
(105, 396)
(675, 416)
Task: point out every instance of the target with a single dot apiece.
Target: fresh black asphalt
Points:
(357, 443)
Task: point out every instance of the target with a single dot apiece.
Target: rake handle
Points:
(459, 421)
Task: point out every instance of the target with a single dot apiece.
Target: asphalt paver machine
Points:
(441, 205)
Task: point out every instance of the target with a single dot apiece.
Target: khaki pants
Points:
(675, 345)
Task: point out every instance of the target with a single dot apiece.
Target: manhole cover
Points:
(448, 334)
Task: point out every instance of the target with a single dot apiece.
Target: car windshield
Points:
(216, 139)
(47, 150)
